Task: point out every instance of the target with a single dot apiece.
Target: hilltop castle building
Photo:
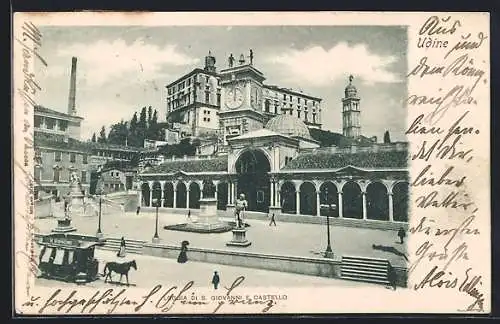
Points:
(233, 101)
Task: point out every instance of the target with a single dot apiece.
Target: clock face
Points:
(234, 97)
(256, 97)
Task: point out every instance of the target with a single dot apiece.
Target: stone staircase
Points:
(131, 246)
(365, 269)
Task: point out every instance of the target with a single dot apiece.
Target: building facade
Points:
(205, 101)
(282, 170)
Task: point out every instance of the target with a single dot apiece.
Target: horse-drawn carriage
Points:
(68, 257)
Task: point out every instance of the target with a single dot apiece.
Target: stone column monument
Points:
(73, 205)
(239, 232)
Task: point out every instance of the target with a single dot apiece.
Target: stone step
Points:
(131, 245)
(127, 250)
(362, 264)
(364, 260)
(365, 269)
(382, 274)
(370, 280)
(127, 246)
(372, 270)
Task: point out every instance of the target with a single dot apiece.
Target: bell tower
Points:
(210, 63)
(351, 112)
(241, 104)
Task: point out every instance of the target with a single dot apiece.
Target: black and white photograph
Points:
(204, 161)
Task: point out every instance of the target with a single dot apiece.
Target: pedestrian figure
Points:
(182, 258)
(121, 252)
(189, 215)
(138, 210)
(215, 280)
(273, 220)
(401, 234)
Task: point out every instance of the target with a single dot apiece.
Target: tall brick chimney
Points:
(72, 88)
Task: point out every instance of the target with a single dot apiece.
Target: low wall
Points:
(401, 276)
(320, 267)
(292, 218)
(309, 266)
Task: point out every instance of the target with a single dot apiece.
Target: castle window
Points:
(208, 119)
(56, 175)
(50, 123)
(291, 112)
(84, 176)
(189, 81)
(38, 121)
(207, 96)
(284, 96)
(305, 116)
(298, 114)
(218, 99)
(72, 158)
(266, 105)
(57, 156)
(314, 118)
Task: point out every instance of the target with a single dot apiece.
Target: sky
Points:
(122, 69)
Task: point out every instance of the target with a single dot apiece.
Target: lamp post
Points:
(328, 251)
(99, 233)
(156, 238)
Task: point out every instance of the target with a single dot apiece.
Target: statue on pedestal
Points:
(240, 206)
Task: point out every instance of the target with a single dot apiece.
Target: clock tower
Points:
(241, 105)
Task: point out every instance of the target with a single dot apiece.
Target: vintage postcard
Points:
(245, 163)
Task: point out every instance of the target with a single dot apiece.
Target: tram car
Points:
(69, 258)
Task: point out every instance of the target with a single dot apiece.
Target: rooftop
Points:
(60, 142)
(42, 109)
(291, 91)
(326, 160)
(288, 125)
(197, 165)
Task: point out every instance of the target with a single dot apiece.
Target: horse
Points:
(121, 268)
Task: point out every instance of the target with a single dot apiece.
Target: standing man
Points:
(241, 205)
(273, 220)
(401, 234)
(215, 280)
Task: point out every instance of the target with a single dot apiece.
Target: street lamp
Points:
(156, 203)
(328, 251)
(99, 192)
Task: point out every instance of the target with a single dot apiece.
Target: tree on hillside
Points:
(150, 115)
(94, 139)
(102, 135)
(133, 124)
(387, 137)
(142, 126)
(118, 133)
